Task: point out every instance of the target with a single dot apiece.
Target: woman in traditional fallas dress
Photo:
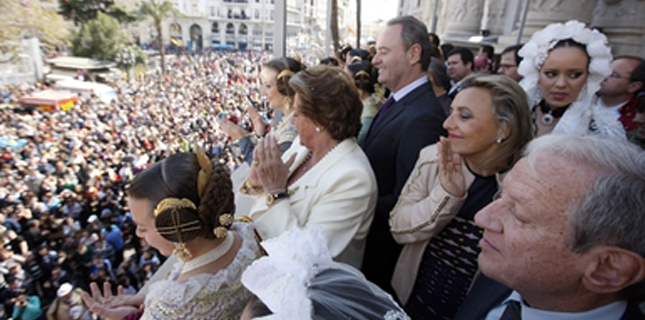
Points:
(183, 205)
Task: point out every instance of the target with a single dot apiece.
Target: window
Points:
(257, 14)
(215, 28)
(212, 11)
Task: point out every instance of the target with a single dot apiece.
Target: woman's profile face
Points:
(563, 74)
(472, 126)
(268, 77)
(142, 214)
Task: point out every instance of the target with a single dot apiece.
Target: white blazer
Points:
(338, 194)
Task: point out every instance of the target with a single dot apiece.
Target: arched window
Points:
(243, 29)
(215, 28)
(230, 28)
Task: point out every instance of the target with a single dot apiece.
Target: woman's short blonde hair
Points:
(510, 106)
(329, 98)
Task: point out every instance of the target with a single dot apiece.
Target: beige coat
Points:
(424, 208)
(60, 310)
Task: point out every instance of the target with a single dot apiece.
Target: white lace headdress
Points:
(577, 118)
(289, 280)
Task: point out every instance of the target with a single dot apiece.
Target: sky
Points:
(378, 9)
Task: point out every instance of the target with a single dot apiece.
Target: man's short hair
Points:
(514, 48)
(413, 32)
(638, 74)
(612, 212)
(465, 54)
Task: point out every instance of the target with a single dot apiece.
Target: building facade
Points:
(242, 24)
(462, 21)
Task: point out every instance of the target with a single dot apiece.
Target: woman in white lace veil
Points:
(299, 280)
(562, 66)
(183, 206)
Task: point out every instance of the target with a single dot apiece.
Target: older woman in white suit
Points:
(324, 179)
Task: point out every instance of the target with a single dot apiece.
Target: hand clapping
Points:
(450, 176)
(268, 165)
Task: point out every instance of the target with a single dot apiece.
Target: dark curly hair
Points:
(176, 177)
(329, 98)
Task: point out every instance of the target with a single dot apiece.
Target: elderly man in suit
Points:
(411, 119)
(565, 239)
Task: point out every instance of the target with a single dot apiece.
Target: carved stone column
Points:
(494, 16)
(622, 22)
(464, 17)
(544, 12)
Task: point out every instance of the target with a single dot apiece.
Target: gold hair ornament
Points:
(177, 228)
(206, 171)
(356, 59)
(297, 58)
(285, 73)
(173, 203)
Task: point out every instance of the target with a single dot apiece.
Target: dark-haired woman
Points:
(275, 77)
(562, 66)
(183, 205)
(324, 179)
(364, 76)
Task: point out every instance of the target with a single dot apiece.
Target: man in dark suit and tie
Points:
(565, 239)
(411, 119)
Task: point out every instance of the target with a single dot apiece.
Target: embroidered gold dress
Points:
(219, 296)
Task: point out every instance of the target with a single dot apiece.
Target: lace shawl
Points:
(205, 296)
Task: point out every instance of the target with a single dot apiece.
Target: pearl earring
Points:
(318, 129)
(499, 140)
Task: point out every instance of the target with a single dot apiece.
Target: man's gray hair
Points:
(613, 211)
(413, 31)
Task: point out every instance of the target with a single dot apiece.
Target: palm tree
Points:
(358, 23)
(158, 11)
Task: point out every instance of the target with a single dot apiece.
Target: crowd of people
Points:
(433, 186)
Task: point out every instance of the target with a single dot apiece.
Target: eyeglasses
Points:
(617, 75)
(507, 66)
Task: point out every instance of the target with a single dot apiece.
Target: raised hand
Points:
(233, 130)
(108, 306)
(270, 170)
(256, 118)
(450, 175)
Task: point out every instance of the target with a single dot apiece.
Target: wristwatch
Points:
(273, 197)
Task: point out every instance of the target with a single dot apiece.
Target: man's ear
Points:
(613, 269)
(414, 54)
(633, 87)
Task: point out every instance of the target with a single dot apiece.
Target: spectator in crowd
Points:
(561, 76)
(26, 308)
(434, 39)
(68, 305)
(483, 62)
(637, 136)
(452, 180)
(560, 258)
(445, 49)
(365, 77)
(509, 62)
(460, 65)
(324, 179)
(407, 122)
(619, 92)
(438, 76)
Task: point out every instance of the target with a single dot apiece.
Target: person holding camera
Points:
(26, 308)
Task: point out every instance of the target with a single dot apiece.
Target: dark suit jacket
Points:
(487, 293)
(392, 145)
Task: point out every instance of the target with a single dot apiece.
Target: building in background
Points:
(242, 24)
(461, 22)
